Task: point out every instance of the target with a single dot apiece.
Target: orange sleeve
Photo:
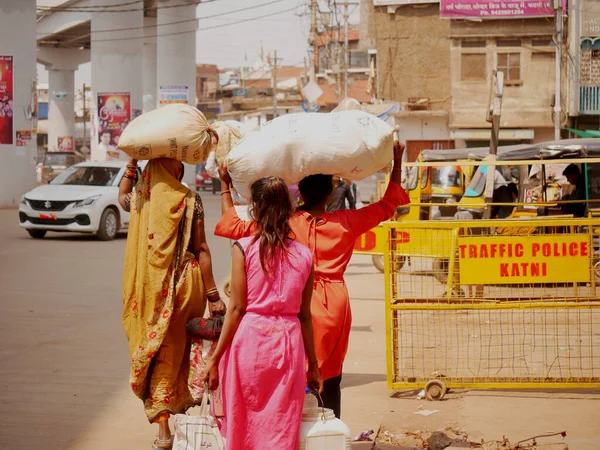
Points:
(232, 227)
(362, 220)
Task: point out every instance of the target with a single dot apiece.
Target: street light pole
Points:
(274, 81)
(558, 22)
(346, 48)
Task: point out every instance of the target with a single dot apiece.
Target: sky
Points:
(229, 45)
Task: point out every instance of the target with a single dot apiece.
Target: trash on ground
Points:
(365, 436)
(427, 412)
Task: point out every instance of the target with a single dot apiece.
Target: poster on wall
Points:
(173, 94)
(496, 9)
(22, 137)
(6, 100)
(114, 114)
(402, 2)
(66, 143)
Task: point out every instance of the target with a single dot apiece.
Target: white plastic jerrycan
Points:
(320, 429)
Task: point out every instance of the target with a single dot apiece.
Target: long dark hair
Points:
(271, 210)
(315, 190)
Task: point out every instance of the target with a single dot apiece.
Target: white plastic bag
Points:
(175, 131)
(352, 144)
(198, 432)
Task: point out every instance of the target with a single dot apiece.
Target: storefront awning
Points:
(584, 134)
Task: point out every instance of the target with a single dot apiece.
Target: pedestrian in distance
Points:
(342, 193)
(575, 178)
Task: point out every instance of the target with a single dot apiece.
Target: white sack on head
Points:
(212, 168)
(351, 144)
(175, 131)
(230, 132)
(348, 104)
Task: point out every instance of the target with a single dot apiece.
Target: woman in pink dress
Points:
(267, 336)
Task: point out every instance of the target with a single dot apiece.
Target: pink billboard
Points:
(496, 9)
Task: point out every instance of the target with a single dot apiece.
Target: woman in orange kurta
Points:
(331, 238)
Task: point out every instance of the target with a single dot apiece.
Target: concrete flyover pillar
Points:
(149, 56)
(61, 64)
(18, 148)
(61, 106)
(117, 38)
(176, 58)
(176, 50)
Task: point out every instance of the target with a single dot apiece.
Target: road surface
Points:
(64, 360)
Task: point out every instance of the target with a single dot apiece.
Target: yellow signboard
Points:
(563, 258)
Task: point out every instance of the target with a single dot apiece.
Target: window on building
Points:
(323, 59)
(358, 60)
(508, 43)
(548, 42)
(596, 53)
(473, 67)
(510, 64)
(473, 44)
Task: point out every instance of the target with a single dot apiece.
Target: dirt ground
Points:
(64, 363)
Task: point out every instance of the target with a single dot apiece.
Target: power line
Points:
(115, 5)
(179, 21)
(200, 29)
(106, 9)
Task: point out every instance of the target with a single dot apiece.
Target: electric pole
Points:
(558, 22)
(346, 48)
(314, 9)
(274, 82)
(84, 118)
(493, 116)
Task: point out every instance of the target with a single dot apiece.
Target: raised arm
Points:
(362, 220)
(127, 183)
(237, 308)
(230, 225)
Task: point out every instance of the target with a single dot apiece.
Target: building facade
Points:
(437, 59)
(521, 48)
(413, 68)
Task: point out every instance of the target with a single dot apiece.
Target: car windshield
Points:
(59, 159)
(87, 176)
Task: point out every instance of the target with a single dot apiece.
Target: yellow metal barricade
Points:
(485, 304)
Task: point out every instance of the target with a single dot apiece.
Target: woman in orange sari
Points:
(166, 281)
(331, 238)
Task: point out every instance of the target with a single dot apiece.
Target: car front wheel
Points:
(37, 234)
(109, 225)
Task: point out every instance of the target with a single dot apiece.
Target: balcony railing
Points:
(589, 100)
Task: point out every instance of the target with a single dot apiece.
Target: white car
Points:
(84, 198)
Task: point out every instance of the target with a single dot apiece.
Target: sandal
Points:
(162, 444)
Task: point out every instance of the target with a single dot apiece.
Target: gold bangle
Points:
(226, 192)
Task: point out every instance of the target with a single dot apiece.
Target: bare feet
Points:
(164, 432)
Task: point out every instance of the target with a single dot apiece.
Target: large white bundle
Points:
(348, 104)
(175, 131)
(352, 144)
(230, 132)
